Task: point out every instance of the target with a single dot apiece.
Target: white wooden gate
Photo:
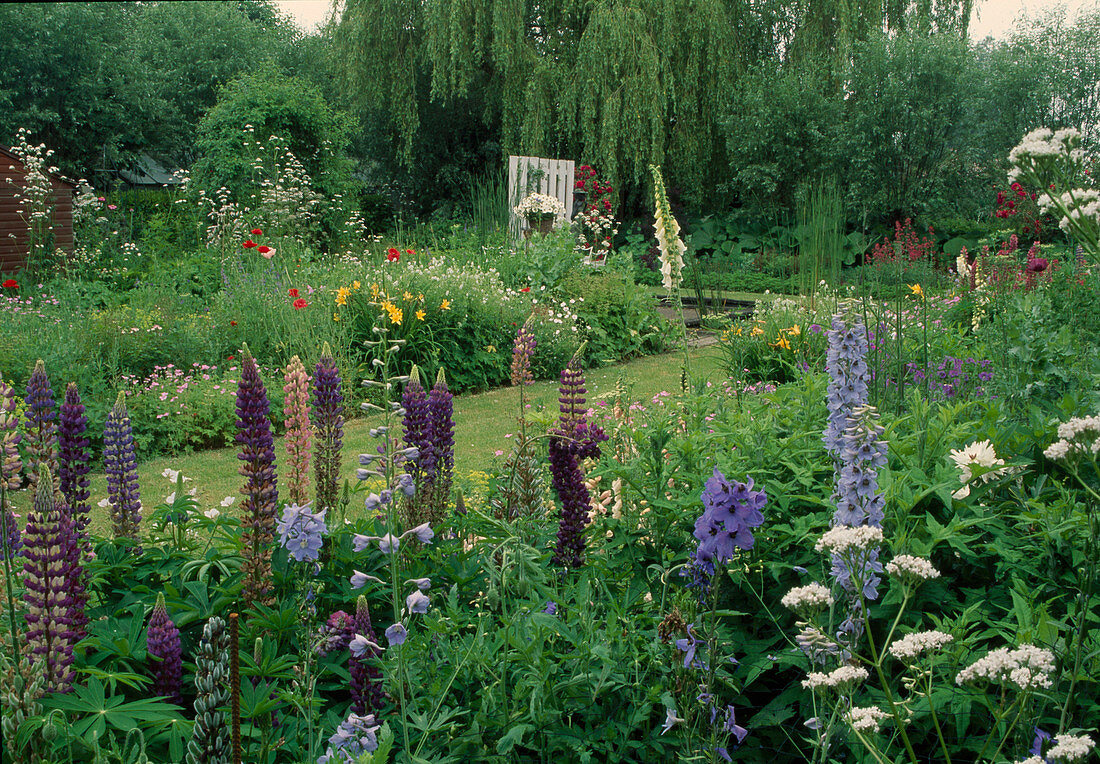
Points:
(531, 175)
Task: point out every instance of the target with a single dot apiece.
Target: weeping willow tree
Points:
(620, 84)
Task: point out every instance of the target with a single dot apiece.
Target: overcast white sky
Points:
(991, 17)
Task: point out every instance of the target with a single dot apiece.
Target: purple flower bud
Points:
(165, 654)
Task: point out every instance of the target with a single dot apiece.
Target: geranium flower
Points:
(11, 284)
(257, 232)
(266, 251)
(292, 292)
(393, 255)
(249, 244)
(299, 303)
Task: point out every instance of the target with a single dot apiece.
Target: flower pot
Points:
(544, 224)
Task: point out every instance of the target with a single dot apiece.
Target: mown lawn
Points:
(482, 422)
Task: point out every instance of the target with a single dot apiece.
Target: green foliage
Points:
(273, 105)
(109, 82)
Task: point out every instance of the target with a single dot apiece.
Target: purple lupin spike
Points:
(165, 654)
(261, 496)
(328, 427)
(10, 466)
(417, 433)
(442, 427)
(47, 554)
(40, 440)
(572, 441)
(366, 678)
(120, 464)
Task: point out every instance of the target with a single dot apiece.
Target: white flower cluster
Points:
(808, 598)
(844, 537)
(1082, 204)
(867, 719)
(909, 647)
(540, 204)
(1033, 760)
(1027, 667)
(844, 678)
(1043, 143)
(977, 454)
(1071, 747)
(1077, 436)
(914, 569)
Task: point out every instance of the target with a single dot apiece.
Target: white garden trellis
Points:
(531, 175)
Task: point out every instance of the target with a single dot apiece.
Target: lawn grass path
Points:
(482, 423)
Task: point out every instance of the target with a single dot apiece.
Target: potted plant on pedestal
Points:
(540, 211)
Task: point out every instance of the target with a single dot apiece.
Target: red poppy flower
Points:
(299, 303)
(11, 284)
(249, 244)
(526, 289)
(410, 251)
(263, 249)
(257, 232)
(393, 255)
(232, 323)
(292, 292)
(230, 358)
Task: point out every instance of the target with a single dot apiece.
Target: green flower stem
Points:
(877, 659)
(870, 748)
(935, 718)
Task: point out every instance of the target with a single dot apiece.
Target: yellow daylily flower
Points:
(396, 314)
(355, 285)
(756, 331)
(445, 305)
(374, 290)
(781, 342)
(794, 331)
(916, 289)
(420, 314)
(407, 297)
(342, 295)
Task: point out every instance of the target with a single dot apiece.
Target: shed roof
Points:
(8, 153)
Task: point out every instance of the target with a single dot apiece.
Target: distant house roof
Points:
(147, 171)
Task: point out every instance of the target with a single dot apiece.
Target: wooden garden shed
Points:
(14, 242)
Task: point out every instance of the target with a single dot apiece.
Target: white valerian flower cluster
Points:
(1079, 435)
(667, 232)
(977, 454)
(540, 204)
(808, 598)
(1027, 667)
(1071, 747)
(1044, 143)
(914, 569)
(844, 537)
(844, 678)
(867, 719)
(1081, 204)
(909, 647)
